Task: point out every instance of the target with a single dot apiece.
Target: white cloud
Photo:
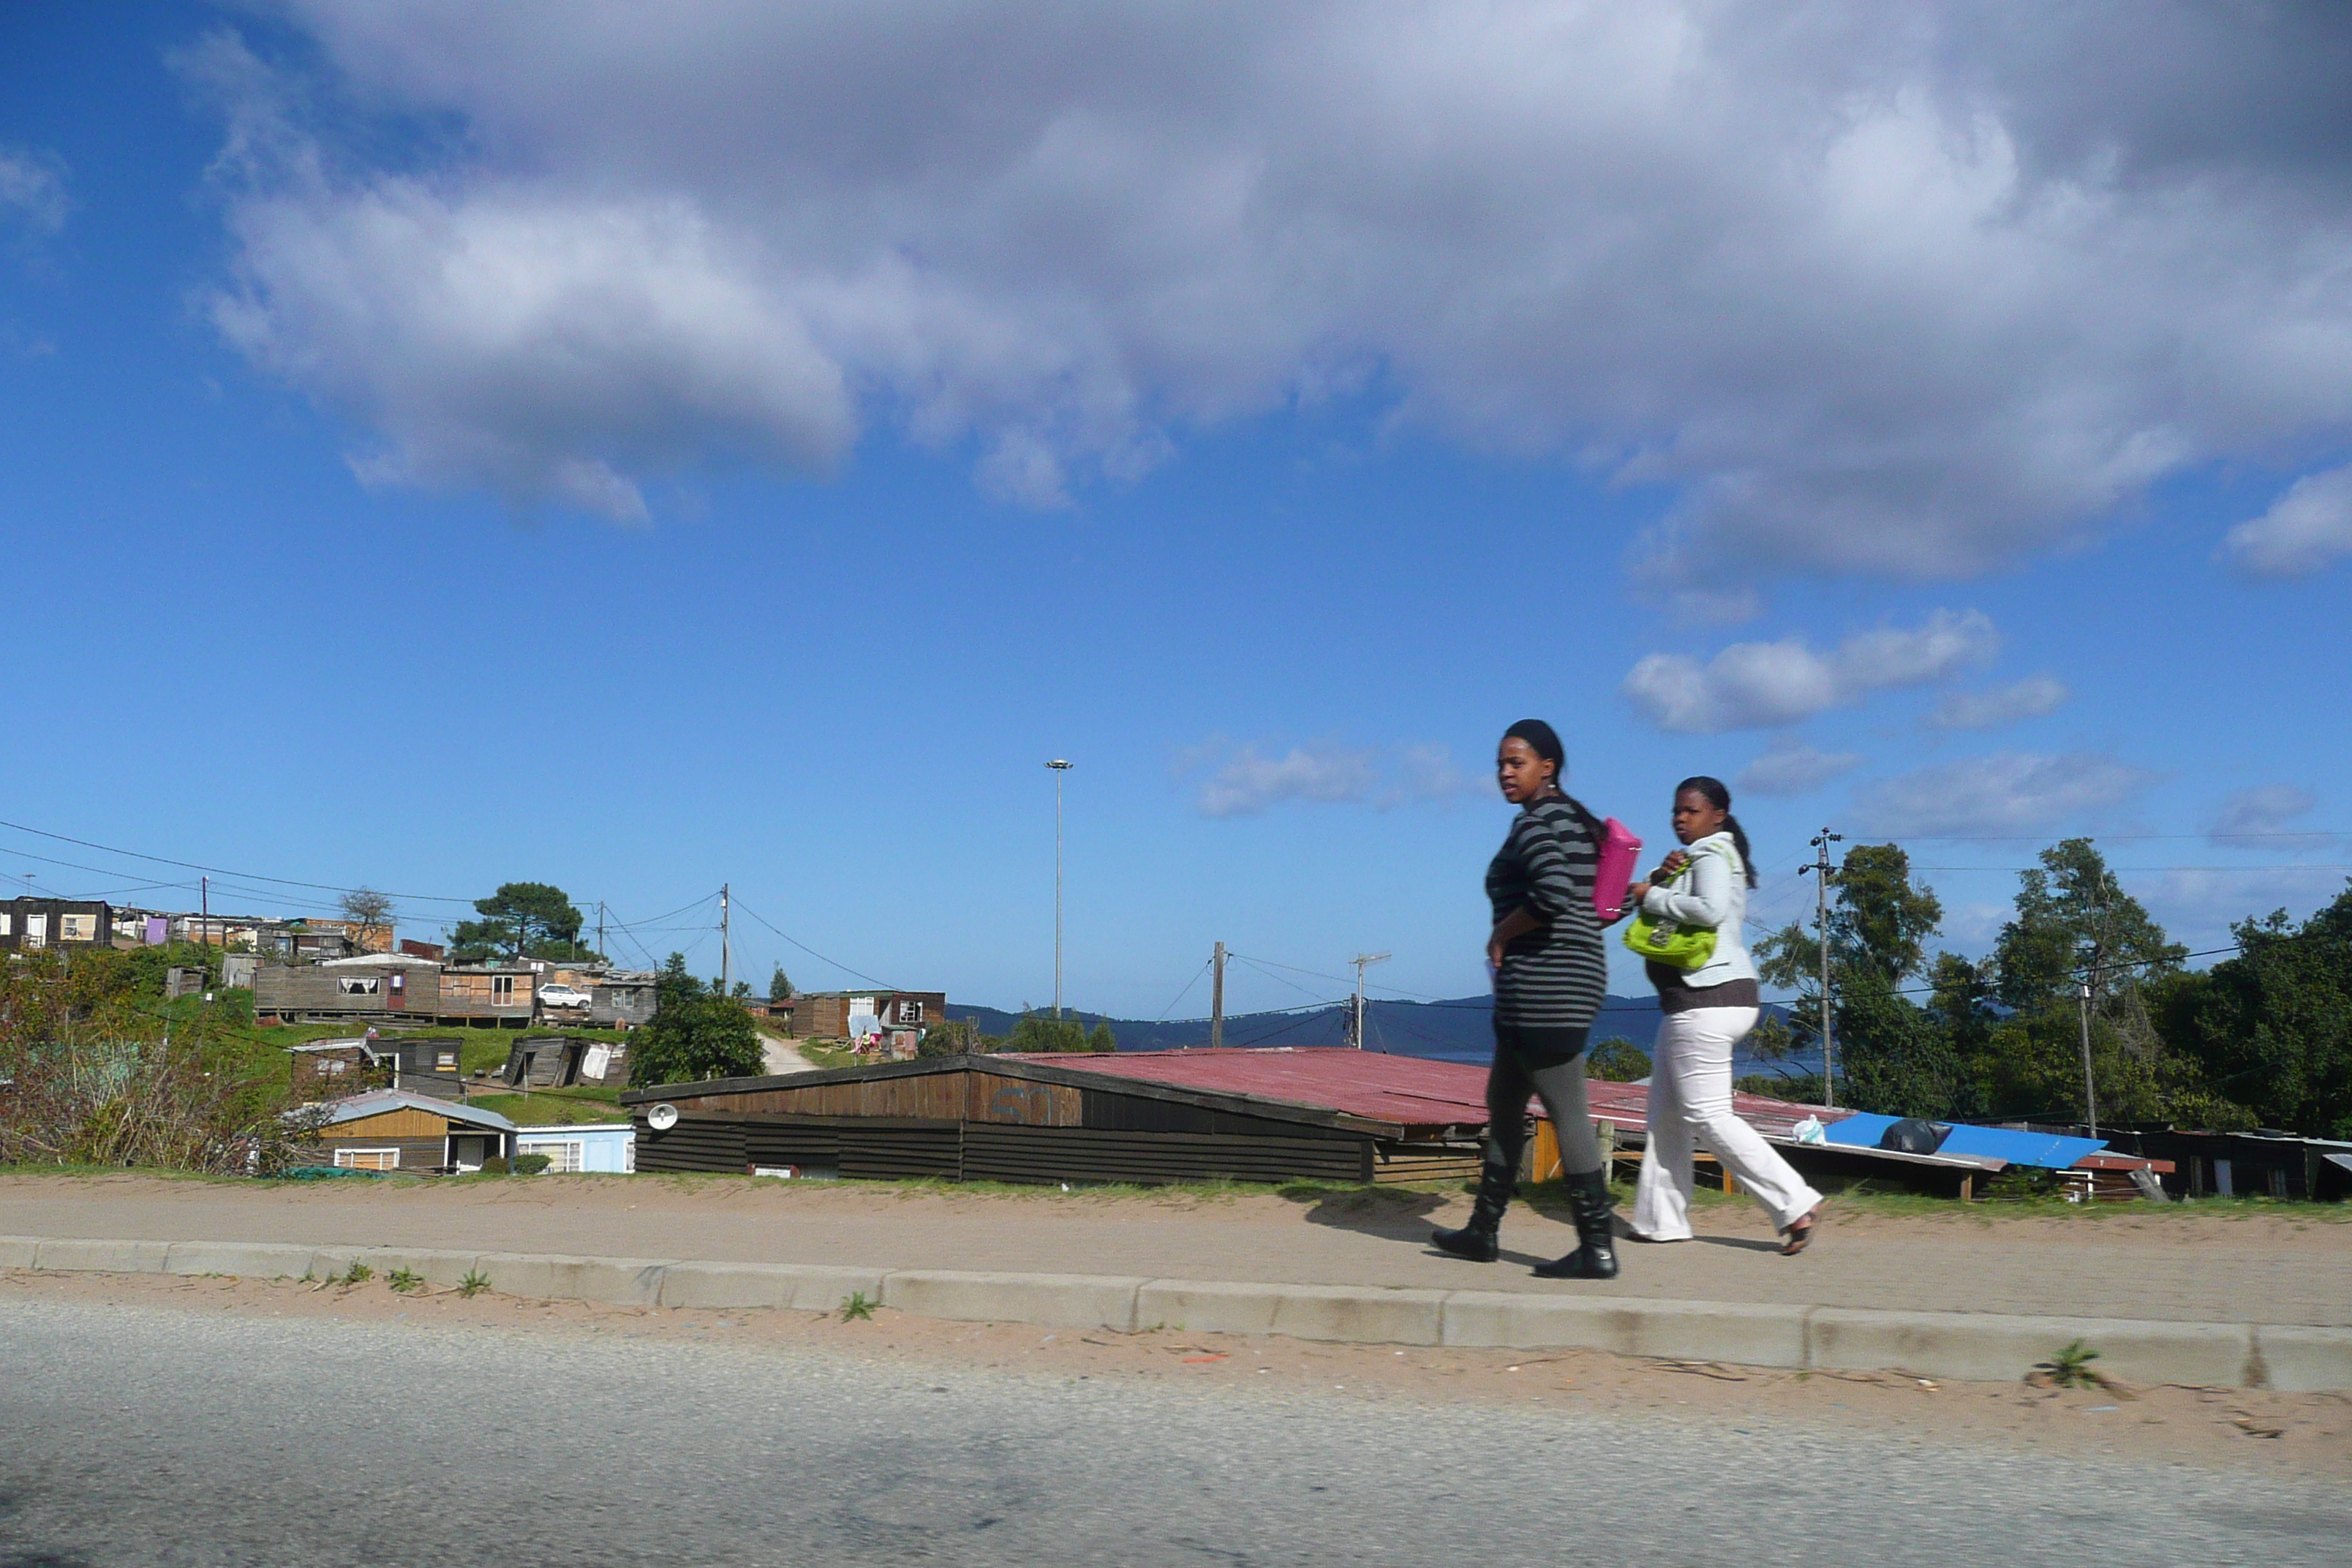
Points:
(1757, 685)
(1791, 766)
(1245, 782)
(2001, 705)
(31, 187)
(2259, 818)
(2008, 792)
(2199, 905)
(2306, 530)
(1886, 285)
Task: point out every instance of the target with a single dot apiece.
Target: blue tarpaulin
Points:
(2048, 1150)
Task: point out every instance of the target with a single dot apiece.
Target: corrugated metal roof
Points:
(376, 1101)
(1415, 1091)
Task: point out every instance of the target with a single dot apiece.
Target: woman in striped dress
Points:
(1549, 978)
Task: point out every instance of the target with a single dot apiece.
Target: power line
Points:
(217, 871)
(813, 953)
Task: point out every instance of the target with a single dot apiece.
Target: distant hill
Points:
(1458, 1031)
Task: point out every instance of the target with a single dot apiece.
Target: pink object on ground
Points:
(1621, 850)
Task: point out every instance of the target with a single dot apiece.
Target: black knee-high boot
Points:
(1596, 1258)
(1479, 1240)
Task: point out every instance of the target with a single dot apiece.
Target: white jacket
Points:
(1712, 891)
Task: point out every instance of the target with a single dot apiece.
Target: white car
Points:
(563, 996)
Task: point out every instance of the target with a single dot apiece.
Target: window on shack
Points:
(359, 985)
(76, 928)
(367, 1158)
(502, 988)
(564, 1155)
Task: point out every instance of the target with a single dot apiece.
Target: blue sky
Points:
(441, 448)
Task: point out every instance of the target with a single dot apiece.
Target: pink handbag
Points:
(1621, 850)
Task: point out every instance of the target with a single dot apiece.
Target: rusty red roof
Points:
(1412, 1091)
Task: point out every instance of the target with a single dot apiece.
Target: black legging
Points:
(1548, 1063)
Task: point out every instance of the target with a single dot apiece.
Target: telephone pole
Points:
(1217, 998)
(1821, 873)
(600, 929)
(726, 944)
(1355, 1015)
(1059, 767)
(2090, 1089)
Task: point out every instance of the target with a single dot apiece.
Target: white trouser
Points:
(1690, 1096)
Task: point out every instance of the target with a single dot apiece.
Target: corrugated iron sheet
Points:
(1412, 1091)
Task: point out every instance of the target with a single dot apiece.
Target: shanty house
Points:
(29, 924)
(496, 994)
(1265, 1115)
(621, 999)
(397, 1130)
(836, 1015)
(595, 1147)
(372, 986)
(425, 1064)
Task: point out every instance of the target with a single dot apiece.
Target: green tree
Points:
(1617, 1061)
(2271, 1029)
(780, 989)
(2075, 926)
(1891, 1057)
(1035, 1032)
(520, 919)
(695, 1034)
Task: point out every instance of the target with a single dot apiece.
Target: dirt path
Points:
(783, 1056)
(2172, 1263)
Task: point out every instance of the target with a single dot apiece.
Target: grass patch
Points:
(855, 1308)
(474, 1284)
(404, 1280)
(580, 1104)
(822, 1055)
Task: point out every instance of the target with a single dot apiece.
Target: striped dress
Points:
(1555, 976)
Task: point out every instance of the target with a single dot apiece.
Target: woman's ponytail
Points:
(1714, 793)
(1739, 842)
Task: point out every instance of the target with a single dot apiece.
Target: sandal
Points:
(1800, 1235)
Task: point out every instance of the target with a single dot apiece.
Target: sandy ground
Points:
(2240, 1265)
(783, 1056)
(2278, 1434)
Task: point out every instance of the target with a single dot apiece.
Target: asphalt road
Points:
(133, 1436)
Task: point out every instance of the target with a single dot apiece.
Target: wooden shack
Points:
(375, 988)
(396, 1130)
(394, 988)
(500, 994)
(28, 924)
(826, 1015)
(1370, 1117)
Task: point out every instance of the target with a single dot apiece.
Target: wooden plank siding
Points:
(415, 1154)
(401, 1123)
(978, 1118)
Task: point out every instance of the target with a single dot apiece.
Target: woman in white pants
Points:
(1706, 1012)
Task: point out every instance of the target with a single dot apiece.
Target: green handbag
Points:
(1670, 942)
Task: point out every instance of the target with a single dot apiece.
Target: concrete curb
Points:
(1978, 1346)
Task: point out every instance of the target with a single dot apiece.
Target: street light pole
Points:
(1059, 767)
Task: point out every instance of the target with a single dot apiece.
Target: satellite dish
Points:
(662, 1118)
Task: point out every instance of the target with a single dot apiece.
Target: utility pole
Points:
(1059, 767)
(1217, 998)
(600, 929)
(2090, 1090)
(1821, 872)
(725, 943)
(1355, 1015)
